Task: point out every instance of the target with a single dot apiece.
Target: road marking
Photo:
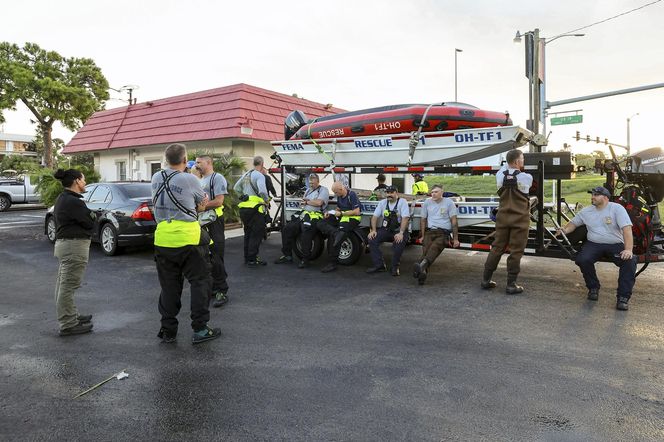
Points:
(18, 222)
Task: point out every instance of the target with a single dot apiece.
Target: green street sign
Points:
(568, 119)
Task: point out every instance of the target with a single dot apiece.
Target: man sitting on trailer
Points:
(512, 222)
(609, 235)
(339, 223)
(394, 222)
(438, 220)
(314, 203)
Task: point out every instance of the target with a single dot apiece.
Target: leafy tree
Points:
(52, 87)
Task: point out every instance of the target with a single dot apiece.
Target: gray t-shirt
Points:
(523, 180)
(604, 226)
(244, 184)
(219, 185)
(186, 188)
(439, 214)
(321, 193)
(402, 209)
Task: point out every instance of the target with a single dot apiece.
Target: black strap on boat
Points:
(415, 137)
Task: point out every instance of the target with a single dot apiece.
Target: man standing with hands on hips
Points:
(609, 235)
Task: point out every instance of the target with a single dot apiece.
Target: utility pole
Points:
(456, 51)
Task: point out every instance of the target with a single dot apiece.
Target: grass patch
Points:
(574, 191)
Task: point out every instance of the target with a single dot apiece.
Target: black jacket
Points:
(73, 219)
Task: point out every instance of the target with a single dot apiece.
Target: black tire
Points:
(50, 229)
(351, 250)
(5, 203)
(317, 246)
(108, 239)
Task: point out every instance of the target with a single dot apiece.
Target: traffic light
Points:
(578, 136)
(606, 141)
(587, 138)
(597, 140)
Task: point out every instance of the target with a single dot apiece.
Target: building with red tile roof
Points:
(128, 142)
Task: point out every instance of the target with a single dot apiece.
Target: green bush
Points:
(49, 188)
(20, 164)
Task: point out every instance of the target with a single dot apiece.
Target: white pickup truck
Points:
(16, 190)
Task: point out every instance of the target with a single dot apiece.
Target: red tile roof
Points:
(207, 115)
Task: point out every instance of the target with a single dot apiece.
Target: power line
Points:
(611, 18)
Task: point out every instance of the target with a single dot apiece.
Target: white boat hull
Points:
(433, 148)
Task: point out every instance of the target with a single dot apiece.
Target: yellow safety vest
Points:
(314, 215)
(177, 233)
(252, 202)
(420, 188)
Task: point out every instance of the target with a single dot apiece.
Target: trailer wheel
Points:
(317, 244)
(351, 250)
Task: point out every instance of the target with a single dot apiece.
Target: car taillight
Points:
(142, 213)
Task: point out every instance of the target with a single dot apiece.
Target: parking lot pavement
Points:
(342, 356)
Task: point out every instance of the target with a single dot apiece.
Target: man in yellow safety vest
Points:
(181, 246)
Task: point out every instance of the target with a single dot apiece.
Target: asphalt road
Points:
(344, 356)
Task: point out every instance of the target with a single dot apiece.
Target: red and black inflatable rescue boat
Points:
(393, 119)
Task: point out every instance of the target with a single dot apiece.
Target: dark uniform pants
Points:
(593, 252)
(289, 235)
(254, 231)
(173, 265)
(217, 233)
(336, 232)
(384, 235)
(433, 244)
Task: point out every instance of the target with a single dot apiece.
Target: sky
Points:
(359, 54)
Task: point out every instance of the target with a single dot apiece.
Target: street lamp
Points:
(628, 140)
(536, 74)
(456, 51)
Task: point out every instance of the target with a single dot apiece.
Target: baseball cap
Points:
(191, 164)
(390, 189)
(417, 175)
(600, 190)
(313, 175)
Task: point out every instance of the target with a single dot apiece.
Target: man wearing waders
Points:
(512, 222)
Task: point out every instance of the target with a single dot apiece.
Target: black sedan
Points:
(124, 215)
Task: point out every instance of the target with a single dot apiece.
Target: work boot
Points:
(395, 271)
(376, 269)
(513, 289)
(256, 263)
(283, 259)
(166, 336)
(77, 329)
(303, 264)
(220, 298)
(82, 319)
(593, 294)
(331, 267)
(420, 271)
(487, 283)
(206, 334)
(621, 304)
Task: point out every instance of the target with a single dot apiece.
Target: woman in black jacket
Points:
(74, 223)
